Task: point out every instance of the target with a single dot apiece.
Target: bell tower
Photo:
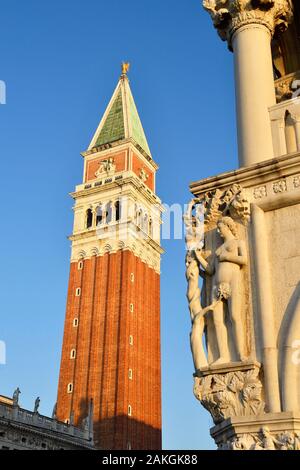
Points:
(111, 344)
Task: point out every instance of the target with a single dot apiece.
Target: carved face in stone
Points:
(226, 227)
(222, 229)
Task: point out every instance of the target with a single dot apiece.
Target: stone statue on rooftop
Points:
(36, 404)
(16, 397)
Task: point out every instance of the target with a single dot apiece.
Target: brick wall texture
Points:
(119, 304)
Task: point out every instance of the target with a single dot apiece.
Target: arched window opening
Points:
(140, 218)
(73, 354)
(78, 292)
(89, 218)
(145, 223)
(151, 227)
(109, 213)
(99, 216)
(118, 210)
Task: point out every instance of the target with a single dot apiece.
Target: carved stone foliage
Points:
(232, 202)
(296, 181)
(230, 394)
(286, 87)
(230, 15)
(280, 186)
(143, 175)
(242, 442)
(260, 192)
(264, 440)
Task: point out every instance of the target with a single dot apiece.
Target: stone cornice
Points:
(44, 427)
(230, 15)
(248, 176)
(42, 433)
(127, 178)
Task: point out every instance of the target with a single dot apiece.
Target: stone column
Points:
(248, 27)
(297, 130)
(255, 92)
(265, 310)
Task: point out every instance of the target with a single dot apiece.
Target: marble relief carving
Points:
(231, 394)
(217, 253)
(287, 86)
(107, 167)
(260, 192)
(279, 186)
(296, 181)
(229, 15)
(264, 440)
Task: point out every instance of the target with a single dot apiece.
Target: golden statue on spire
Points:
(125, 67)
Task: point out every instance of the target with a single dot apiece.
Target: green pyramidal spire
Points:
(121, 120)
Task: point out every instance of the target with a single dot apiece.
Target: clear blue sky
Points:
(60, 60)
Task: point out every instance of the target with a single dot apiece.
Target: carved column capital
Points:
(230, 15)
(230, 390)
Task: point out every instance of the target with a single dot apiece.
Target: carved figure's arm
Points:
(207, 266)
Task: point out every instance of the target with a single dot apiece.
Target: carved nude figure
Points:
(198, 313)
(197, 318)
(225, 268)
(194, 239)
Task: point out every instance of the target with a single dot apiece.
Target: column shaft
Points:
(265, 311)
(255, 92)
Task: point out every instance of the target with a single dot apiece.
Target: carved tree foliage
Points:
(232, 202)
(231, 394)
